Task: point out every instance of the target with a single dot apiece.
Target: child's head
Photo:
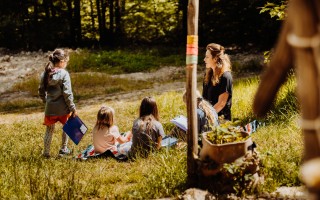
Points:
(149, 106)
(105, 117)
(205, 106)
(198, 95)
(59, 58)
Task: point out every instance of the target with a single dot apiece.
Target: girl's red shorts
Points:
(49, 120)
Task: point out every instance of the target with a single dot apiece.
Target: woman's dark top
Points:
(211, 93)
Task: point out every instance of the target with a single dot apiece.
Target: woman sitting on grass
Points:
(147, 131)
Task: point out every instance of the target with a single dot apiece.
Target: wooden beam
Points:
(191, 87)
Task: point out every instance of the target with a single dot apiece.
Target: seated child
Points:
(206, 115)
(147, 131)
(105, 135)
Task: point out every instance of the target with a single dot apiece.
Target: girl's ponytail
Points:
(47, 71)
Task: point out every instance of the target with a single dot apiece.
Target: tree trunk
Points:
(46, 9)
(104, 36)
(77, 22)
(35, 11)
(183, 6)
(101, 20)
(52, 8)
(71, 22)
(93, 28)
(111, 22)
(118, 29)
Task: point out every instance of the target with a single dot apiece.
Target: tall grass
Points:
(125, 61)
(25, 174)
(84, 86)
(280, 141)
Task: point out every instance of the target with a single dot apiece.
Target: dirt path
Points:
(16, 67)
(19, 66)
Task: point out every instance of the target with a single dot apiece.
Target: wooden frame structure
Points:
(299, 47)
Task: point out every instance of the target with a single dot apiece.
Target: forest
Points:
(47, 24)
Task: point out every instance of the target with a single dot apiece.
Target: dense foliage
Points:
(46, 24)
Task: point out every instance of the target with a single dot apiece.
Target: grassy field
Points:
(25, 174)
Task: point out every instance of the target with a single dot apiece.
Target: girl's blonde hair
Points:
(203, 105)
(105, 117)
(223, 63)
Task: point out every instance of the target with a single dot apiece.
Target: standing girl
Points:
(217, 84)
(56, 92)
(147, 131)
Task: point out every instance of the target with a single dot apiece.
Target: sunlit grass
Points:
(18, 105)
(84, 86)
(24, 174)
(126, 60)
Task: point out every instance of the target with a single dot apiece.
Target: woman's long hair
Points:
(54, 58)
(223, 63)
(105, 117)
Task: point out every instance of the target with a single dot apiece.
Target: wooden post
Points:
(191, 87)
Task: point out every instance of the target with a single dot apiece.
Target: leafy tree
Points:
(48, 24)
(277, 10)
(236, 23)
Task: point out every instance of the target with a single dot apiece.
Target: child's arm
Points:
(159, 140)
(68, 94)
(126, 138)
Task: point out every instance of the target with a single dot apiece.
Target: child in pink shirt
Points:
(105, 134)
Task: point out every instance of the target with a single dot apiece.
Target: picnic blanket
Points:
(89, 153)
(122, 151)
(252, 127)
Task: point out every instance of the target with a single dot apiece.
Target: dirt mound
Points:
(16, 67)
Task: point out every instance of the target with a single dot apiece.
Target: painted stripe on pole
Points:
(192, 39)
(192, 49)
(191, 59)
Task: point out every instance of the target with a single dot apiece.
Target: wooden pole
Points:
(191, 87)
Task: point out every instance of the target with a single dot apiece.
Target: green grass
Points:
(84, 85)
(24, 174)
(126, 61)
